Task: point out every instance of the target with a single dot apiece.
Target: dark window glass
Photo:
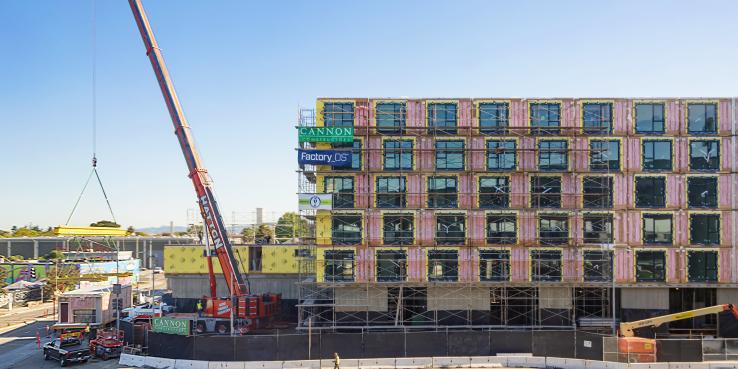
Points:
(702, 118)
(342, 189)
(443, 192)
(494, 192)
(650, 192)
(704, 155)
(501, 228)
(338, 114)
(494, 265)
(545, 118)
(704, 229)
(501, 155)
(649, 118)
(545, 192)
(449, 155)
(598, 228)
(398, 155)
(398, 229)
(450, 229)
(391, 265)
(552, 155)
(442, 118)
(656, 155)
(546, 265)
(493, 118)
(553, 229)
(597, 118)
(604, 155)
(346, 229)
(391, 192)
(597, 192)
(390, 117)
(597, 266)
(702, 192)
(339, 266)
(703, 266)
(650, 266)
(443, 265)
(355, 153)
(657, 229)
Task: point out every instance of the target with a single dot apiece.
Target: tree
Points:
(130, 230)
(248, 234)
(4, 233)
(25, 232)
(264, 234)
(54, 255)
(61, 278)
(105, 223)
(290, 225)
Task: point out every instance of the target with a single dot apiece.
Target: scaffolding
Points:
(334, 296)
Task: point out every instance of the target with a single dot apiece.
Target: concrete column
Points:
(35, 249)
(136, 255)
(152, 264)
(9, 248)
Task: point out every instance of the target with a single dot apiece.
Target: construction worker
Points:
(336, 361)
(199, 308)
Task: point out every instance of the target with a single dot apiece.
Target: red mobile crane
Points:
(249, 311)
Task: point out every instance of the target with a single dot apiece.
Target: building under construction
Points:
(519, 213)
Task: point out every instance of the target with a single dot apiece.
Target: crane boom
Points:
(626, 329)
(215, 226)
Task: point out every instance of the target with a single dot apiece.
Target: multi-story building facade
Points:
(522, 212)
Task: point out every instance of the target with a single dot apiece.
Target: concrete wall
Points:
(197, 285)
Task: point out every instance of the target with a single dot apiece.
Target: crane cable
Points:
(94, 124)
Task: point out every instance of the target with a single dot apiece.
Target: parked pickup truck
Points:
(68, 350)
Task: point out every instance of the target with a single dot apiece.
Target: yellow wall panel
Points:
(279, 260)
(319, 117)
(323, 227)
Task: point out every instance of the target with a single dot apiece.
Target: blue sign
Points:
(336, 158)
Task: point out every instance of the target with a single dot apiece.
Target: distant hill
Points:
(161, 229)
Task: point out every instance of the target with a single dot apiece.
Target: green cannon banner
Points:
(326, 134)
(171, 325)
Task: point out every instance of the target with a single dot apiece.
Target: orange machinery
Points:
(638, 349)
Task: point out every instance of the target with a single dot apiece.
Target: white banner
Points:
(316, 201)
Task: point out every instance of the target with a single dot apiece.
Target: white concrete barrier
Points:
(379, 363)
(723, 365)
(263, 365)
(649, 365)
(564, 363)
(518, 361)
(131, 360)
(301, 364)
(413, 362)
(488, 361)
(159, 362)
(345, 363)
(597, 364)
(452, 362)
(535, 361)
(190, 364)
(226, 365)
(689, 366)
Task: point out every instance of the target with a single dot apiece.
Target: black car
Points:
(67, 350)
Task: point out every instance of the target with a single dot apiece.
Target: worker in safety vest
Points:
(86, 332)
(199, 308)
(336, 361)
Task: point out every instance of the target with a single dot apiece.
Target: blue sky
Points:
(243, 68)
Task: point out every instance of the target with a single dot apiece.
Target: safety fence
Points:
(322, 345)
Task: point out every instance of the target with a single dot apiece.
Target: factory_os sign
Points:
(326, 134)
(336, 158)
(171, 325)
